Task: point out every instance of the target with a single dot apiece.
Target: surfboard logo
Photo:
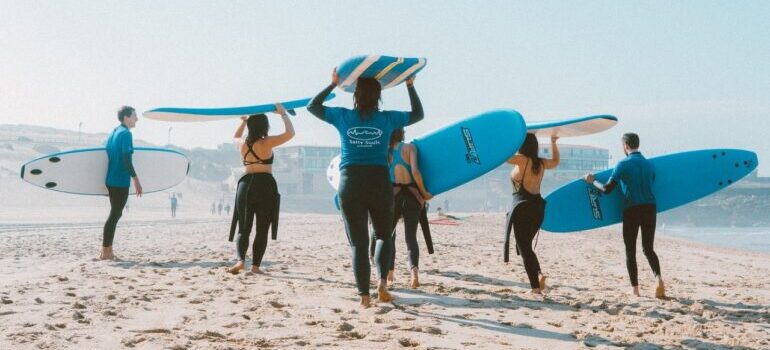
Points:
(471, 155)
(593, 200)
(364, 133)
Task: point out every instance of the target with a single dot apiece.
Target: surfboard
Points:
(83, 171)
(572, 127)
(460, 152)
(389, 71)
(680, 178)
(182, 114)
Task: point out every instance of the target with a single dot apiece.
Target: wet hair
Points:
(124, 112)
(631, 139)
(530, 150)
(395, 137)
(258, 128)
(367, 96)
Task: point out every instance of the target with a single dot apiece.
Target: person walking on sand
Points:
(257, 192)
(635, 175)
(410, 196)
(173, 200)
(365, 187)
(120, 172)
(528, 209)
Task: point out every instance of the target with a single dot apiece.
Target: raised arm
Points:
(417, 113)
(316, 106)
(554, 161)
(288, 127)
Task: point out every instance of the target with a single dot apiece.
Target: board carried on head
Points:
(572, 127)
(182, 114)
(83, 171)
(389, 71)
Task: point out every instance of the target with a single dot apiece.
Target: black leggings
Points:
(408, 207)
(365, 191)
(255, 197)
(118, 198)
(527, 218)
(643, 216)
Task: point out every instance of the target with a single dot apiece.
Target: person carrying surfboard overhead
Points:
(635, 175)
(257, 192)
(365, 187)
(410, 196)
(528, 208)
(120, 173)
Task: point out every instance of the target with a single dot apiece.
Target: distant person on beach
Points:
(173, 200)
(257, 193)
(635, 175)
(528, 208)
(365, 187)
(120, 173)
(410, 196)
(219, 208)
(227, 209)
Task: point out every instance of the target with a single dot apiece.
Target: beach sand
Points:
(170, 291)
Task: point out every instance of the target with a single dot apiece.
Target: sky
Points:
(684, 75)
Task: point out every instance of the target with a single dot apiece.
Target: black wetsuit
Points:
(256, 196)
(365, 191)
(525, 218)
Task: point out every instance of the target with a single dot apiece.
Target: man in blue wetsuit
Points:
(120, 173)
(636, 175)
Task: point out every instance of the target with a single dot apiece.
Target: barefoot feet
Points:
(415, 282)
(236, 268)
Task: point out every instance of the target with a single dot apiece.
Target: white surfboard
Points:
(83, 171)
(572, 127)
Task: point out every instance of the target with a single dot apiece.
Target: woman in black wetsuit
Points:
(526, 216)
(365, 190)
(257, 192)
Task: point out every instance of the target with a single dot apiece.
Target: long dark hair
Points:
(529, 149)
(395, 137)
(367, 96)
(258, 127)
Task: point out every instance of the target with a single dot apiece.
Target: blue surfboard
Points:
(389, 71)
(571, 127)
(181, 114)
(458, 153)
(680, 179)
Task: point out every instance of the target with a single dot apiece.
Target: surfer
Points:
(635, 174)
(365, 187)
(409, 196)
(120, 173)
(528, 209)
(257, 193)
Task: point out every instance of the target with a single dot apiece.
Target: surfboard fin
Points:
(292, 112)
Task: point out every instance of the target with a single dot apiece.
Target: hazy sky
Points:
(684, 75)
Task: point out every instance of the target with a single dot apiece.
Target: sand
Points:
(170, 291)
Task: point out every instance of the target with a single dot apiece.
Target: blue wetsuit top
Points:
(398, 160)
(364, 140)
(120, 147)
(636, 175)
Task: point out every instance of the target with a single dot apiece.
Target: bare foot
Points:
(635, 292)
(382, 293)
(542, 282)
(236, 268)
(255, 269)
(365, 303)
(106, 254)
(415, 283)
(537, 291)
(391, 277)
(660, 291)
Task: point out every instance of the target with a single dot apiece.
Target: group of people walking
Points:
(381, 180)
